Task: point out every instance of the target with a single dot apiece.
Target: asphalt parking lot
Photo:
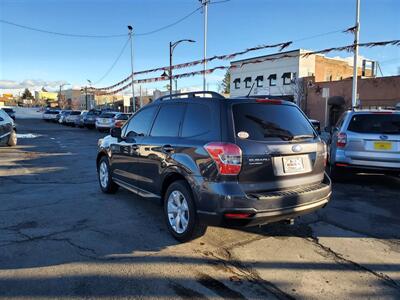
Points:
(60, 237)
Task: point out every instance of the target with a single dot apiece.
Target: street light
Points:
(172, 47)
(130, 28)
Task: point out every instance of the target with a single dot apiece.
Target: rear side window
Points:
(197, 120)
(375, 123)
(265, 122)
(140, 122)
(168, 120)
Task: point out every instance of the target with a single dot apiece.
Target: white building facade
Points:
(275, 76)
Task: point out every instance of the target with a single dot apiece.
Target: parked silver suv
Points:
(366, 140)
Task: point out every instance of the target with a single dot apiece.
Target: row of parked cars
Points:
(102, 120)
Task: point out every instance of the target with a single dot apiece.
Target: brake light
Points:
(227, 156)
(341, 140)
(272, 101)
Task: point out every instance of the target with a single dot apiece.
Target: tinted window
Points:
(75, 113)
(375, 123)
(270, 122)
(168, 120)
(197, 120)
(93, 112)
(107, 115)
(123, 117)
(140, 122)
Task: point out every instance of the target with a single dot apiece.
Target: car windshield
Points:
(271, 122)
(8, 110)
(375, 123)
(107, 115)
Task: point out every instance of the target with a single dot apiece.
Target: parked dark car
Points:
(10, 112)
(218, 161)
(8, 132)
(89, 120)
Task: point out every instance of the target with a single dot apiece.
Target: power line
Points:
(115, 62)
(61, 33)
(169, 25)
(99, 36)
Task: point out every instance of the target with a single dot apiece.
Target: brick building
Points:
(372, 92)
(281, 73)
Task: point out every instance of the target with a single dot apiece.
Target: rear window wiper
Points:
(302, 136)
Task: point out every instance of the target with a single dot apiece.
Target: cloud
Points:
(34, 84)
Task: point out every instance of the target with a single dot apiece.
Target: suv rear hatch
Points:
(374, 137)
(280, 149)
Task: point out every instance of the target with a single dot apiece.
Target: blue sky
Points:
(233, 26)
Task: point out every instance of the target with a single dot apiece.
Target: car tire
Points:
(106, 183)
(179, 200)
(12, 140)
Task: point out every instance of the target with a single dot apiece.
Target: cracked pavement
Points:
(60, 237)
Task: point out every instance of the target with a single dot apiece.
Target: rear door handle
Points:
(168, 148)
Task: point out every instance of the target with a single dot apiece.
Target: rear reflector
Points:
(237, 215)
(272, 101)
(227, 156)
(341, 165)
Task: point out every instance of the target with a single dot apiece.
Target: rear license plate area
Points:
(293, 164)
(385, 146)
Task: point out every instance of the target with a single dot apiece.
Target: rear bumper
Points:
(368, 161)
(250, 210)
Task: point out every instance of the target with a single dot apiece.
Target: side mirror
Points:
(116, 132)
(334, 129)
(1, 119)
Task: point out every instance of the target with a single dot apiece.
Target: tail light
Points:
(325, 154)
(228, 157)
(271, 101)
(341, 140)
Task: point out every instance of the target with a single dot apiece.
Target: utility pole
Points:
(130, 28)
(205, 11)
(355, 62)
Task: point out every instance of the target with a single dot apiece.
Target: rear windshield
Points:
(123, 117)
(93, 112)
(107, 115)
(375, 123)
(266, 122)
(75, 113)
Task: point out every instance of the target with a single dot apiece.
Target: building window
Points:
(247, 82)
(272, 80)
(287, 78)
(236, 82)
(259, 80)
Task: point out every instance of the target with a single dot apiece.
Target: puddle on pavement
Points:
(27, 136)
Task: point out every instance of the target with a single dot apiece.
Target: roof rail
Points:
(200, 94)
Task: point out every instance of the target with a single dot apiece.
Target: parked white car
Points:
(8, 134)
(72, 117)
(50, 115)
(106, 120)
